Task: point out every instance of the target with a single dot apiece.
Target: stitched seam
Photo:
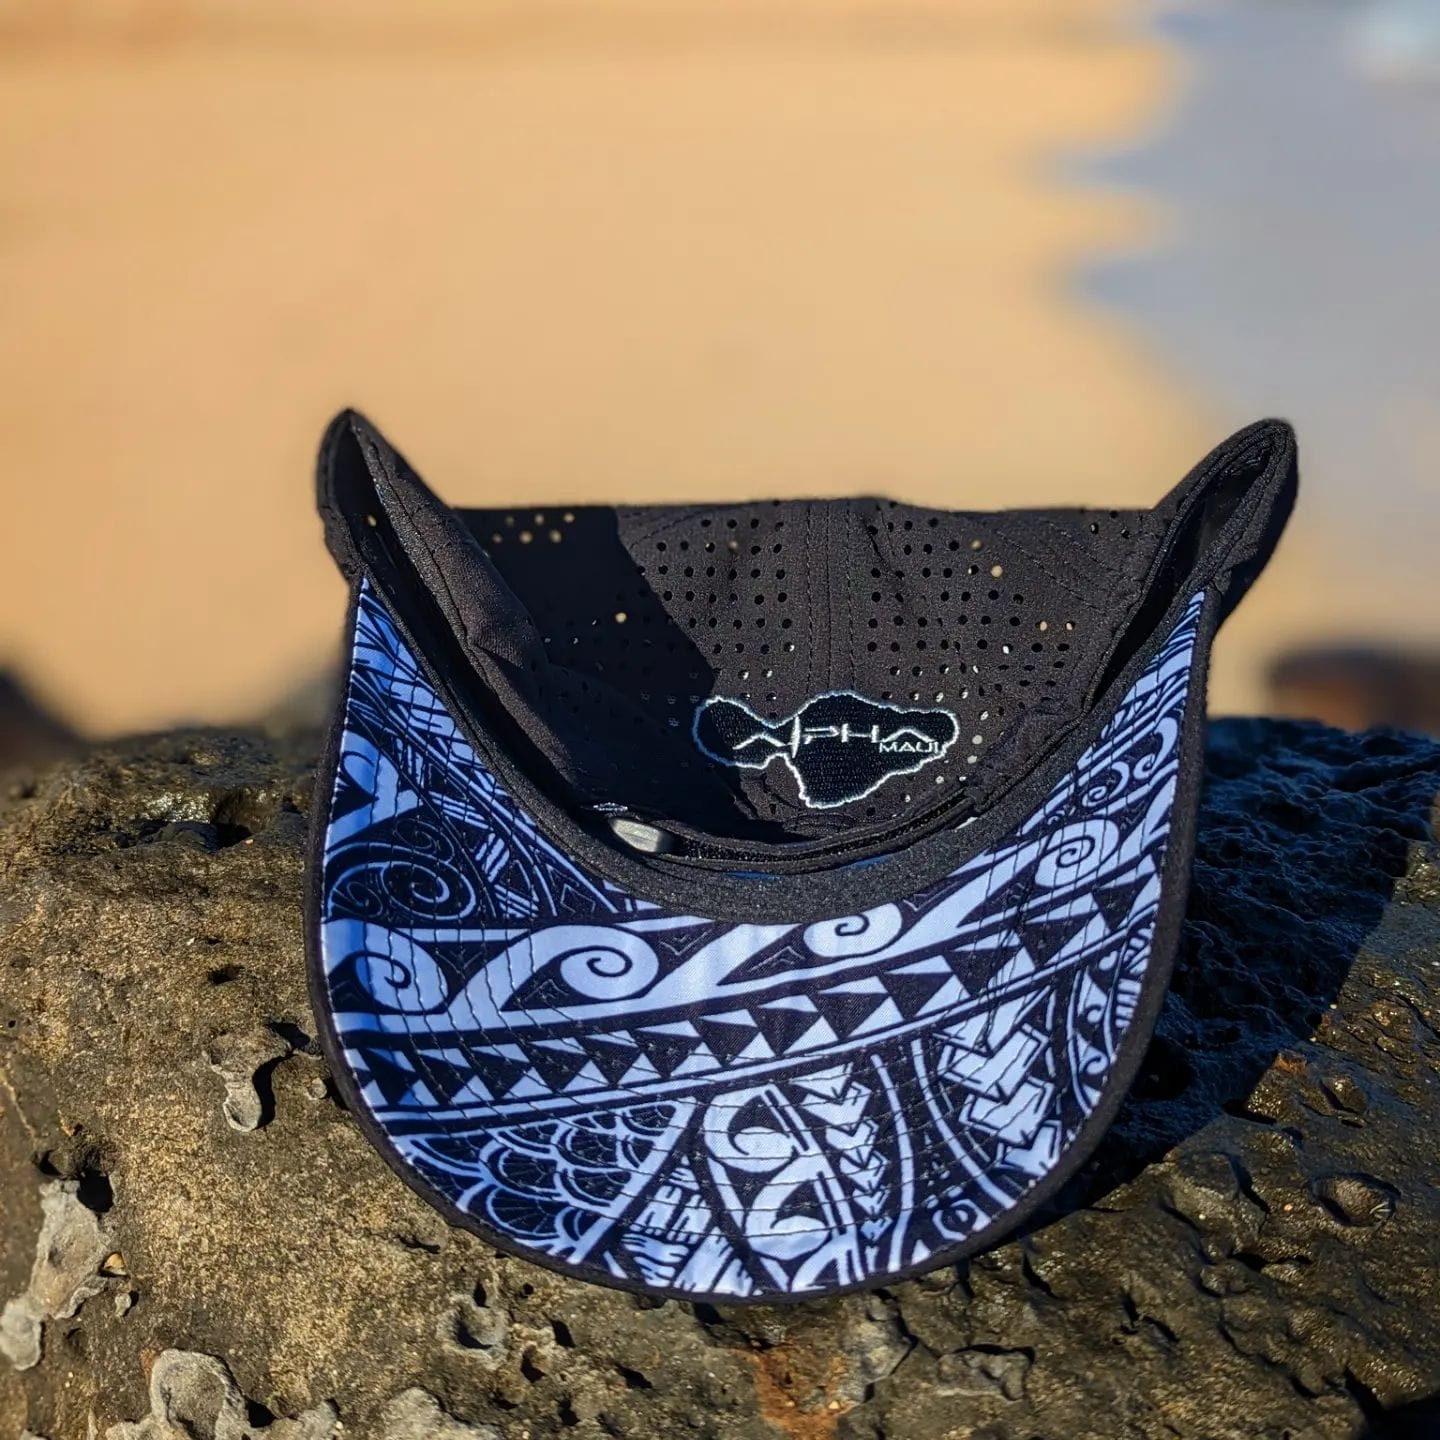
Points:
(1043, 568)
(1092, 557)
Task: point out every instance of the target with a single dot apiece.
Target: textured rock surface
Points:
(196, 1395)
(72, 1255)
(1251, 1253)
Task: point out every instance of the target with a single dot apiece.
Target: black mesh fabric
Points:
(644, 613)
(616, 652)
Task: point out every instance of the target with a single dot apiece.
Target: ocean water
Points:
(1297, 269)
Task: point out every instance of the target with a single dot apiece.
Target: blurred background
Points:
(964, 252)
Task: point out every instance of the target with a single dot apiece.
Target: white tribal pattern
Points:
(721, 1109)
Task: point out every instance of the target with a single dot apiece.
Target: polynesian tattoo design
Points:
(713, 1108)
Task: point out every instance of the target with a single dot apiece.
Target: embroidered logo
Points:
(839, 746)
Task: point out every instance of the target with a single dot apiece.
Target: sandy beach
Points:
(560, 254)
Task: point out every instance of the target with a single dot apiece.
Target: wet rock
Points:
(1248, 1254)
(1354, 1199)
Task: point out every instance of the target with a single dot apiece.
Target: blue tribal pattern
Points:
(712, 1108)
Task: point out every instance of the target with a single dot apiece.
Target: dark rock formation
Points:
(29, 733)
(195, 1241)
(1357, 686)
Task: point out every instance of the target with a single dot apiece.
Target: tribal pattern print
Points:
(712, 1108)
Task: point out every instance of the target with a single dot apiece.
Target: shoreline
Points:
(619, 273)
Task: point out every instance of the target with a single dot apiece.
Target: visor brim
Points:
(721, 1111)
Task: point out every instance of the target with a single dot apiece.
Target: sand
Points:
(559, 254)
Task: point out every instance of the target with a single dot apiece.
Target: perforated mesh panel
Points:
(646, 613)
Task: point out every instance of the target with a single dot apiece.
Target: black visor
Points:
(767, 900)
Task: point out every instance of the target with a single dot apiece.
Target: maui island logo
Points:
(839, 746)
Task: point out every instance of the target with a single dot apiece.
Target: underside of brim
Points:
(715, 1109)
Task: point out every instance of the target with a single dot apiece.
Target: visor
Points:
(759, 901)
